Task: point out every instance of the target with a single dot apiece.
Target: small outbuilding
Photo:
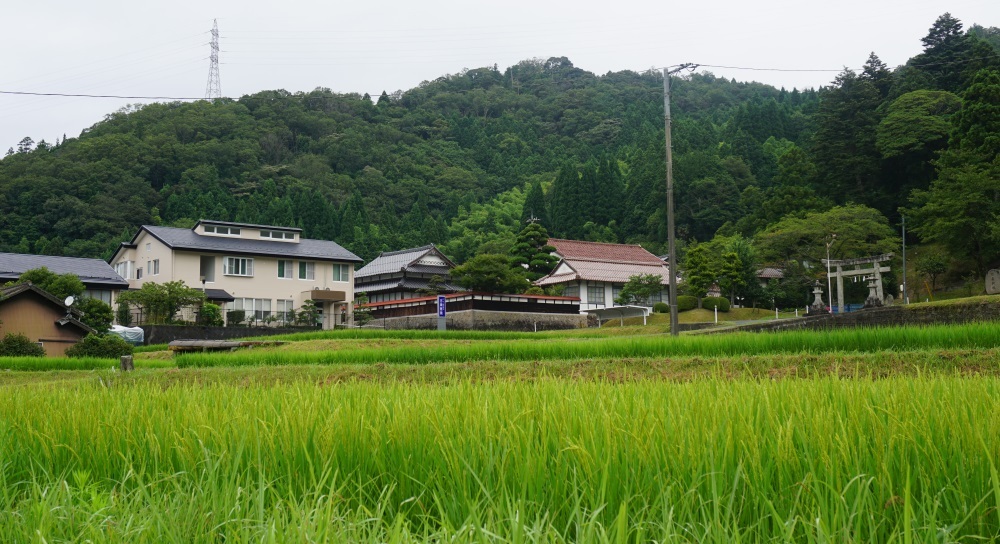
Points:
(28, 310)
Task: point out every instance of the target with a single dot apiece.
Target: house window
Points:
(149, 247)
(103, 295)
(341, 272)
(595, 294)
(156, 267)
(138, 273)
(277, 234)
(285, 269)
(237, 266)
(226, 231)
(307, 270)
(654, 298)
(616, 291)
(572, 290)
(124, 269)
(286, 311)
(257, 309)
(149, 266)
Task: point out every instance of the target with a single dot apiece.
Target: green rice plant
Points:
(71, 363)
(968, 336)
(824, 460)
(410, 334)
(151, 347)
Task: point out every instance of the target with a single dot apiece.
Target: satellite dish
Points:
(69, 300)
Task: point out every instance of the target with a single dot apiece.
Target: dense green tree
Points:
(961, 209)
(639, 289)
(861, 232)
(533, 252)
(57, 285)
(534, 209)
(917, 123)
(96, 313)
(951, 56)
(932, 263)
(699, 270)
(490, 273)
(160, 302)
(843, 149)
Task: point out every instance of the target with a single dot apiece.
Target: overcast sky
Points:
(132, 48)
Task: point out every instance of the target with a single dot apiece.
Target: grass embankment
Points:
(823, 460)
(697, 315)
(977, 335)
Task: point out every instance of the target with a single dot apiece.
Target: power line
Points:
(83, 95)
(25, 93)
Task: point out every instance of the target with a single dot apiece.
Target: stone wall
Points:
(486, 320)
(979, 309)
(164, 334)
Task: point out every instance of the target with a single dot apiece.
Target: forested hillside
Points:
(463, 160)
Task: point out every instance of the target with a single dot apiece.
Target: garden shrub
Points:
(710, 303)
(18, 345)
(686, 302)
(235, 317)
(211, 314)
(661, 308)
(108, 346)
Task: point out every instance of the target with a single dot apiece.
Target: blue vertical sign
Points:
(442, 310)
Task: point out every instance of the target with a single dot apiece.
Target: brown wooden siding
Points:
(35, 317)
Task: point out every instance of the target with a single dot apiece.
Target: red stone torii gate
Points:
(859, 270)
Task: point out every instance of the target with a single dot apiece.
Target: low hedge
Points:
(686, 302)
(661, 308)
(18, 345)
(710, 303)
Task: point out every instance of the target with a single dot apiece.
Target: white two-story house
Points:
(266, 271)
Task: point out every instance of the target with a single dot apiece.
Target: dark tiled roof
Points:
(394, 261)
(90, 271)
(770, 273)
(599, 251)
(410, 284)
(306, 248)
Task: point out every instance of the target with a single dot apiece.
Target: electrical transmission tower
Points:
(214, 87)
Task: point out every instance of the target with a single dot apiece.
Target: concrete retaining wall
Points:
(983, 309)
(486, 320)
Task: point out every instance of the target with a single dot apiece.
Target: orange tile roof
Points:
(603, 252)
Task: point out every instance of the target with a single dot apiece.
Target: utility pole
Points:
(214, 88)
(906, 294)
(672, 247)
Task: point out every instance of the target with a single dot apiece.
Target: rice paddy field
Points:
(865, 435)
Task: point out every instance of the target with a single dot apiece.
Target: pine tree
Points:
(844, 144)
(565, 209)
(534, 209)
(610, 192)
(533, 252)
(878, 73)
